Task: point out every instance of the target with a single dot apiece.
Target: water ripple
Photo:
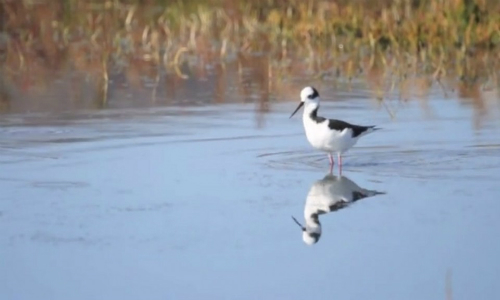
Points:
(435, 163)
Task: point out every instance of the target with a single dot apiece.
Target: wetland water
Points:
(195, 202)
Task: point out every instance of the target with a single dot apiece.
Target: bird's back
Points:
(357, 130)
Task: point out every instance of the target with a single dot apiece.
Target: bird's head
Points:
(308, 95)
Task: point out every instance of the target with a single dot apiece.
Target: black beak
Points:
(297, 109)
(300, 225)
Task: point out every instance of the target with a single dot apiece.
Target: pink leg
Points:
(340, 163)
(331, 162)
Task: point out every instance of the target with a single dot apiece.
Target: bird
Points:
(328, 135)
(326, 195)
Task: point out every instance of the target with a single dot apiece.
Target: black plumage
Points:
(339, 125)
(314, 94)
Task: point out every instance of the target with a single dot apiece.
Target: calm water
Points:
(195, 202)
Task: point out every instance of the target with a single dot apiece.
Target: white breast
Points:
(321, 137)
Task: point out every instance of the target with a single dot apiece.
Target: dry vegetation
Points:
(400, 44)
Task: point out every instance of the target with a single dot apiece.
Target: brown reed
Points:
(391, 44)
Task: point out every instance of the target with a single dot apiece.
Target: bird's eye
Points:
(314, 95)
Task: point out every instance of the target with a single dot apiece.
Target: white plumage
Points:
(328, 135)
(326, 195)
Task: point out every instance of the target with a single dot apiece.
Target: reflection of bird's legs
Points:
(331, 162)
(340, 163)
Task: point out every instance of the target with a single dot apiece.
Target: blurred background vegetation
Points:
(81, 53)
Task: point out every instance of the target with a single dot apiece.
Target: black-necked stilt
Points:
(328, 135)
(327, 195)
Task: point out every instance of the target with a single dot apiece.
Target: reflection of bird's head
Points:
(310, 234)
(310, 238)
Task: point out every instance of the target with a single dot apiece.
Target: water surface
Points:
(190, 202)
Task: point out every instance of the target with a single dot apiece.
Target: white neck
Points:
(309, 107)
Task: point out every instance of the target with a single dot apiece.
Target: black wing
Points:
(341, 125)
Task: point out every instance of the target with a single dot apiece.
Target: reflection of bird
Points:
(328, 135)
(326, 195)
